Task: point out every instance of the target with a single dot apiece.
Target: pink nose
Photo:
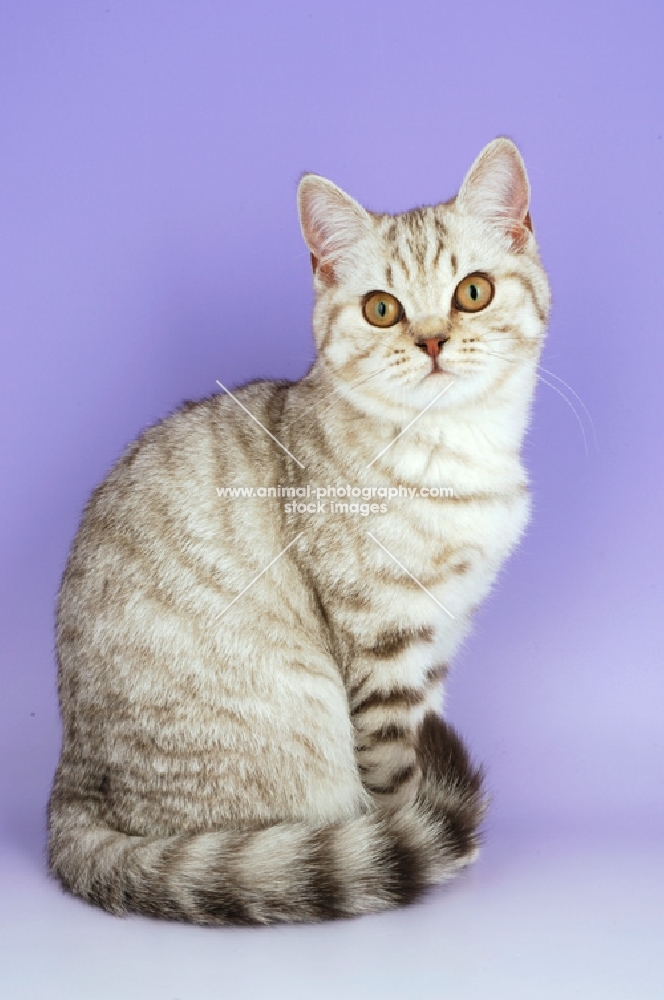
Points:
(432, 345)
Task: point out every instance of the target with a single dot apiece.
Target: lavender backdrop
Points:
(149, 154)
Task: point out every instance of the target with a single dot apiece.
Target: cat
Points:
(250, 688)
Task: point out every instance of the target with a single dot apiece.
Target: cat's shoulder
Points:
(204, 414)
(185, 438)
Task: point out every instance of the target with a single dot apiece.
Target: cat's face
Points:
(452, 295)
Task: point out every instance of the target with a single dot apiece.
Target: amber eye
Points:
(381, 309)
(473, 293)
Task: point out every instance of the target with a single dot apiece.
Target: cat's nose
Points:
(432, 345)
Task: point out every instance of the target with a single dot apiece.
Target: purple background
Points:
(149, 155)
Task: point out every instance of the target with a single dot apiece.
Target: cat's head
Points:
(406, 304)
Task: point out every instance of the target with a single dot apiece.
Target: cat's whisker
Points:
(393, 371)
(398, 373)
(354, 385)
(571, 406)
(559, 392)
(576, 395)
(334, 392)
(502, 339)
(568, 387)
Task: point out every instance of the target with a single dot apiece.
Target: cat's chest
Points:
(461, 508)
(454, 543)
(417, 540)
(415, 554)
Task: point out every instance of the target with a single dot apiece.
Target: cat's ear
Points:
(496, 189)
(332, 224)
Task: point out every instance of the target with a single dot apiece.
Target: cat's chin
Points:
(445, 390)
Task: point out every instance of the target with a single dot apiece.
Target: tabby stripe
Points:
(398, 779)
(155, 898)
(396, 698)
(326, 893)
(221, 901)
(398, 259)
(441, 230)
(436, 674)
(171, 863)
(101, 888)
(403, 861)
(527, 284)
(332, 318)
(388, 733)
(355, 688)
(390, 643)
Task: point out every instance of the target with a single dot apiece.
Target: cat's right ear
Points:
(332, 224)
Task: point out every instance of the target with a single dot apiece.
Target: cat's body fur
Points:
(278, 757)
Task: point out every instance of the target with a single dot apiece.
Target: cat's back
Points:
(148, 495)
(155, 529)
(164, 703)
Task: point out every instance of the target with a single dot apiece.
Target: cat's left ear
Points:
(496, 189)
(332, 225)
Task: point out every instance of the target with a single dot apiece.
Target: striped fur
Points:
(278, 756)
(288, 872)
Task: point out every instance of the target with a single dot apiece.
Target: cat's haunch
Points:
(264, 595)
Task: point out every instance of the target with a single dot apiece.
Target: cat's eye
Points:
(474, 292)
(381, 309)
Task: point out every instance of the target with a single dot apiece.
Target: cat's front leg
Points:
(392, 688)
(407, 753)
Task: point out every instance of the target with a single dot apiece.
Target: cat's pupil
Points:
(382, 310)
(474, 292)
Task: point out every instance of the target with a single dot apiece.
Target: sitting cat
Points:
(249, 688)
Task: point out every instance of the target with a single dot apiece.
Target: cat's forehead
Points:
(433, 242)
(422, 251)
(410, 237)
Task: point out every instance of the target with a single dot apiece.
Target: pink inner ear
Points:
(496, 189)
(324, 269)
(519, 234)
(314, 219)
(312, 225)
(332, 224)
(517, 202)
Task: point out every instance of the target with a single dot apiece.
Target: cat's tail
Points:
(284, 873)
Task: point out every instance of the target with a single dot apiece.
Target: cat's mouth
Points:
(438, 370)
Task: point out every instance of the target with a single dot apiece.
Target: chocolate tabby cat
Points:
(249, 688)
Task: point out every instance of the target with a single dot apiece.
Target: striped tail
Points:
(290, 872)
